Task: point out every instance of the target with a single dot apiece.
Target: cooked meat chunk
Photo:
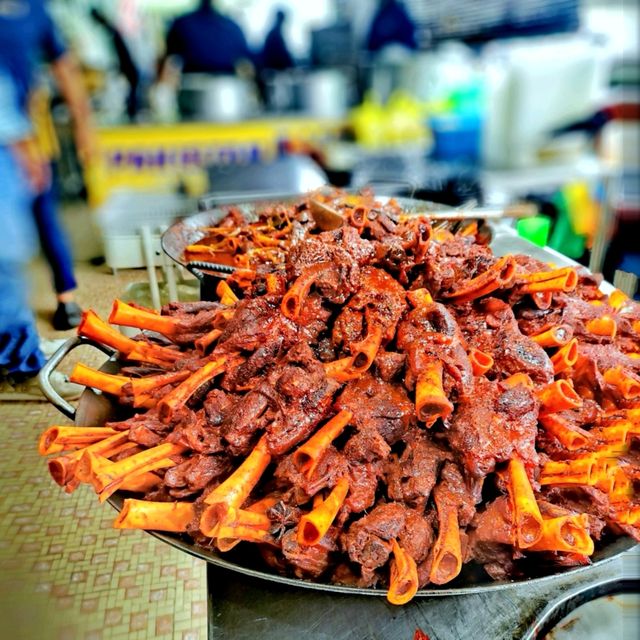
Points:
(363, 485)
(412, 476)
(244, 420)
(429, 333)
(378, 405)
(389, 365)
(332, 466)
(341, 255)
(367, 540)
(257, 322)
(195, 474)
(493, 425)
(308, 561)
(376, 307)
(491, 327)
(448, 263)
(300, 395)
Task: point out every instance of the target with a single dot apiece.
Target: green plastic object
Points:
(564, 239)
(535, 229)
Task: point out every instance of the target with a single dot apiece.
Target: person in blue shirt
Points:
(206, 41)
(391, 24)
(275, 53)
(27, 38)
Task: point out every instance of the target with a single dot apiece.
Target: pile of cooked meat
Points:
(440, 357)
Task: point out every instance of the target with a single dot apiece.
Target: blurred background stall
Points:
(488, 102)
(495, 101)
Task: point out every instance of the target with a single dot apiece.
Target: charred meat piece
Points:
(376, 307)
(366, 445)
(256, 322)
(300, 395)
(491, 327)
(143, 435)
(195, 474)
(417, 536)
(449, 263)
(367, 542)
(430, 332)
(390, 365)
(330, 469)
(607, 357)
(492, 526)
(191, 430)
(378, 405)
(494, 425)
(244, 420)
(308, 561)
(453, 488)
(583, 499)
(194, 319)
(342, 254)
(411, 476)
(216, 405)
(260, 362)
(491, 540)
(314, 317)
(577, 313)
(363, 485)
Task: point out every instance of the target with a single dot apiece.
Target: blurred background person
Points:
(206, 41)
(27, 37)
(391, 25)
(275, 53)
(126, 64)
(22, 173)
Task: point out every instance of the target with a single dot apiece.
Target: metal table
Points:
(243, 607)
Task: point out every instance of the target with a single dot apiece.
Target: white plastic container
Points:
(122, 216)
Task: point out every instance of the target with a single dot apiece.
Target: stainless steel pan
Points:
(94, 409)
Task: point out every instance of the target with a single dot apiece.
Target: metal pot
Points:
(326, 93)
(216, 98)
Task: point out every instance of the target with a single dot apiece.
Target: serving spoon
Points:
(327, 218)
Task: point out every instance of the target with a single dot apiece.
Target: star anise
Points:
(282, 516)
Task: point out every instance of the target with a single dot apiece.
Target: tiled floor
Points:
(65, 574)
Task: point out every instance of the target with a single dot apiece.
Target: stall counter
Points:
(162, 156)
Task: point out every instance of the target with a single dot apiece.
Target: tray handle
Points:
(44, 377)
(221, 270)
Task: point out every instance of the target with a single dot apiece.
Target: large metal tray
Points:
(94, 409)
(191, 229)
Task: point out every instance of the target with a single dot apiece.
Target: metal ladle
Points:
(325, 217)
(328, 219)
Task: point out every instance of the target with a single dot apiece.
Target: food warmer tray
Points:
(246, 601)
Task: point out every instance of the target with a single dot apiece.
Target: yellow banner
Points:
(163, 156)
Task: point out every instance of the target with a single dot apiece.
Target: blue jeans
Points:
(19, 350)
(53, 240)
(19, 341)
